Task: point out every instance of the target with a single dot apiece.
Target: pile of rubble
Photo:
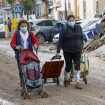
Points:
(94, 42)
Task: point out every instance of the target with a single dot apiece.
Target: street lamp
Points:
(65, 11)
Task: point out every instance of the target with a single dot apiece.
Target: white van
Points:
(2, 27)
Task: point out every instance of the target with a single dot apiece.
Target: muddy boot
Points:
(77, 78)
(66, 79)
(78, 86)
(75, 73)
(66, 82)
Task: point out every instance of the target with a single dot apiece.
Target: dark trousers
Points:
(18, 64)
(9, 28)
(69, 57)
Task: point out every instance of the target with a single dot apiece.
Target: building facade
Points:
(6, 11)
(82, 9)
(44, 8)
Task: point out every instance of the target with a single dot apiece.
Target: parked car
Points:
(56, 29)
(86, 23)
(88, 31)
(2, 27)
(41, 28)
(58, 26)
(56, 38)
(80, 21)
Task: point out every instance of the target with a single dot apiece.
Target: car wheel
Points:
(41, 38)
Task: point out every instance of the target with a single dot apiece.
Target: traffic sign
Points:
(17, 3)
(17, 9)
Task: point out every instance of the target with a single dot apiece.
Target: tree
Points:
(11, 2)
(27, 5)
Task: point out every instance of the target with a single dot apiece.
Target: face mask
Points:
(23, 29)
(71, 24)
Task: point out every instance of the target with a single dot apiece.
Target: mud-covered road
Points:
(92, 93)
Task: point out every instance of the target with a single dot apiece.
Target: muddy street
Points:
(92, 93)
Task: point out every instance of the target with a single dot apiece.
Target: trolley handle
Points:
(36, 51)
(56, 57)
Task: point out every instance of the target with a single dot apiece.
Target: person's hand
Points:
(35, 46)
(82, 52)
(18, 47)
(57, 54)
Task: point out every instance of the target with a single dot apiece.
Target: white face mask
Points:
(71, 23)
(23, 29)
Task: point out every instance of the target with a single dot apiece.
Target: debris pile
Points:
(94, 42)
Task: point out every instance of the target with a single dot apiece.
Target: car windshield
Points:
(94, 25)
(59, 25)
(1, 20)
(83, 24)
(35, 22)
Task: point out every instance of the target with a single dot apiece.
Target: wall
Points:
(40, 7)
(70, 8)
(101, 6)
(90, 9)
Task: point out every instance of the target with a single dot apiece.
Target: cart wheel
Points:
(26, 96)
(85, 80)
(69, 81)
(44, 94)
(54, 80)
(71, 77)
(39, 92)
(58, 82)
(45, 80)
(22, 92)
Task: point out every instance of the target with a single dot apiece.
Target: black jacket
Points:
(70, 40)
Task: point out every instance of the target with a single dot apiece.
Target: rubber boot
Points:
(75, 73)
(78, 86)
(77, 78)
(66, 78)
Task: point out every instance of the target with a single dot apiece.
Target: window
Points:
(45, 23)
(41, 23)
(54, 22)
(58, 25)
(94, 24)
(49, 23)
(84, 24)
